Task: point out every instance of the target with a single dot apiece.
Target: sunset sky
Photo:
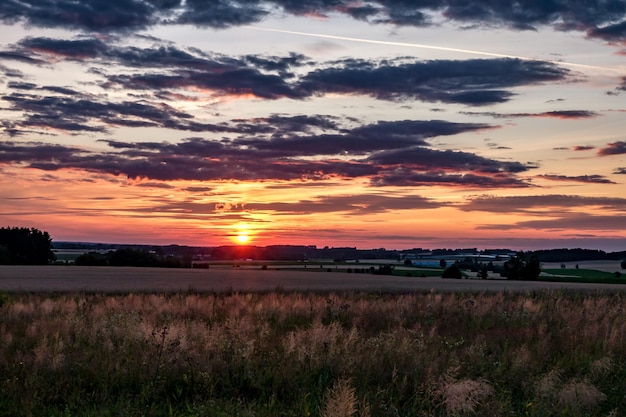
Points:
(389, 123)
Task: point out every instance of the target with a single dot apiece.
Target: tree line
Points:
(25, 246)
(133, 257)
(523, 266)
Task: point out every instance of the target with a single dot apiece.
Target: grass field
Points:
(281, 353)
(584, 275)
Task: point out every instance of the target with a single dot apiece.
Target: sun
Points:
(243, 237)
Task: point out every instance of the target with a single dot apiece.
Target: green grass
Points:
(543, 353)
(583, 275)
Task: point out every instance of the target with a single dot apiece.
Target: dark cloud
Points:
(281, 65)
(583, 148)
(222, 13)
(15, 152)
(472, 82)
(577, 221)
(235, 81)
(612, 32)
(20, 56)
(540, 204)
(425, 159)
(603, 19)
(620, 170)
(352, 204)
(557, 114)
(593, 179)
(185, 69)
(204, 160)
(72, 49)
(423, 166)
(358, 141)
(89, 113)
(614, 148)
(527, 14)
(96, 15)
(406, 178)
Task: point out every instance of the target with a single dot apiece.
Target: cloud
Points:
(430, 159)
(423, 166)
(620, 170)
(541, 204)
(226, 160)
(358, 141)
(475, 82)
(614, 148)
(353, 204)
(472, 82)
(97, 15)
(70, 49)
(16, 152)
(583, 148)
(222, 13)
(615, 32)
(573, 221)
(602, 19)
(593, 179)
(87, 113)
(557, 114)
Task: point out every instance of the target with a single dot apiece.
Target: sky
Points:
(372, 124)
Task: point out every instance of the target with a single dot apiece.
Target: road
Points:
(127, 279)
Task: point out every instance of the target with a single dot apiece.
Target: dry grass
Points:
(464, 396)
(337, 354)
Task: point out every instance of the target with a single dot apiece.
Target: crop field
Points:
(326, 354)
(227, 277)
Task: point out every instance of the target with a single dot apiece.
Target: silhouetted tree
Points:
(623, 264)
(24, 246)
(483, 272)
(453, 271)
(91, 259)
(133, 257)
(383, 270)
(5, 256)
(522, 267)
(443, 263)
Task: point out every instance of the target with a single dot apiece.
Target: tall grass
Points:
(313, 354)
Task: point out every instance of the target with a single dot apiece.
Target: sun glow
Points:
(243, 237)
(242, 234)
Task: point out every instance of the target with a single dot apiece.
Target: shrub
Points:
(453, 271)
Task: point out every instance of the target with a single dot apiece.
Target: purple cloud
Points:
(614, 148)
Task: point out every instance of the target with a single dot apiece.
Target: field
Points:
(251, 277)
(239, 340)
(281, 353)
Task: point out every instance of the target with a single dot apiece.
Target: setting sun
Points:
(243, 237)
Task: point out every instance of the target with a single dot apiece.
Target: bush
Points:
(522, 267)
(453, 271)
(91, 259)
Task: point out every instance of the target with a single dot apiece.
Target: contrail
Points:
(438, 48)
